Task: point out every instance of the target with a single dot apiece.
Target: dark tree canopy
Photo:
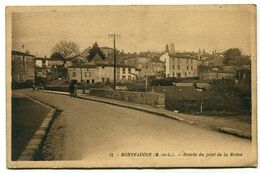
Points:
(57, 56)
(94, 50)
(234, 56)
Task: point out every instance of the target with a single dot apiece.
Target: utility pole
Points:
(114, 36)
(146, 83)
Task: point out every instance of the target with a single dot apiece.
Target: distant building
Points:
(180, 65)
(138, 61)
(148, 66)
(216, 60)
(217, 74)
(54, 62)
(93, 73)
(40, 62)
(23, 69)
(78, 59)
(229, 68)
(44, 62)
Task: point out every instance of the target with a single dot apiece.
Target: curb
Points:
(33, 147)
(234, 132)
(225, 130)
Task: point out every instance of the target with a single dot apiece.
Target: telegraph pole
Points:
(114, 36)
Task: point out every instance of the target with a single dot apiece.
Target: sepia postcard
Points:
(131, 86)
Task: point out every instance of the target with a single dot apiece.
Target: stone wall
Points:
(154, 99)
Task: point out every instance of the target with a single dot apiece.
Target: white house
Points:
(180, 65)
(92, 73)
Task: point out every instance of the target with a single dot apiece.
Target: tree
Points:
(234, 56)
(94, 50)
(66, 49)
(56, 55)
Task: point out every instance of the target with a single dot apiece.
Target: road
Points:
(90, 131)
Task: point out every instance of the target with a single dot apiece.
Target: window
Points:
(74, 74)
(178, 67)
(87, 81)
(185, 74)
(123, 70)
(187, 61)
(93, 81)
(129, 77)
(129, 70)
(146, 66)
(103, 79)
(187, 67)
(123, 77)
(191, 68)
(87, 74)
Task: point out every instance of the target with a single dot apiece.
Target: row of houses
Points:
(93, 73)
(25, 67)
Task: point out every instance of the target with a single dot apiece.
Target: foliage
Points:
(66, 49)
(56, 55)
(163, 82)
(94, 50)
(234, 56)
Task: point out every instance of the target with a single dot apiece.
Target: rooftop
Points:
(88, 65)
(182, 56)
(21, 53)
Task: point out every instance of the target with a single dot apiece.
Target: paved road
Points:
(87, 130)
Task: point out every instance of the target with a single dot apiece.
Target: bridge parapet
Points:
(148, 98)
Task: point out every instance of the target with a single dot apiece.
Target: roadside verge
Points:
(32, 149)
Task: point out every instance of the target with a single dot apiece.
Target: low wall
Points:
(154, 99)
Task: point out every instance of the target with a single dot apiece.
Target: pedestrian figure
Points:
(71, 88)
(75, 94)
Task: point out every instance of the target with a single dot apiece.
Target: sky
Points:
(141, 28)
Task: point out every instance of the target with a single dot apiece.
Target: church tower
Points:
(172, 48)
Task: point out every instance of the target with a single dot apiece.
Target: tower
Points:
(167, 48)
(172, 48)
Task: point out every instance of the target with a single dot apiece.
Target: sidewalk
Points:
(234, 125)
